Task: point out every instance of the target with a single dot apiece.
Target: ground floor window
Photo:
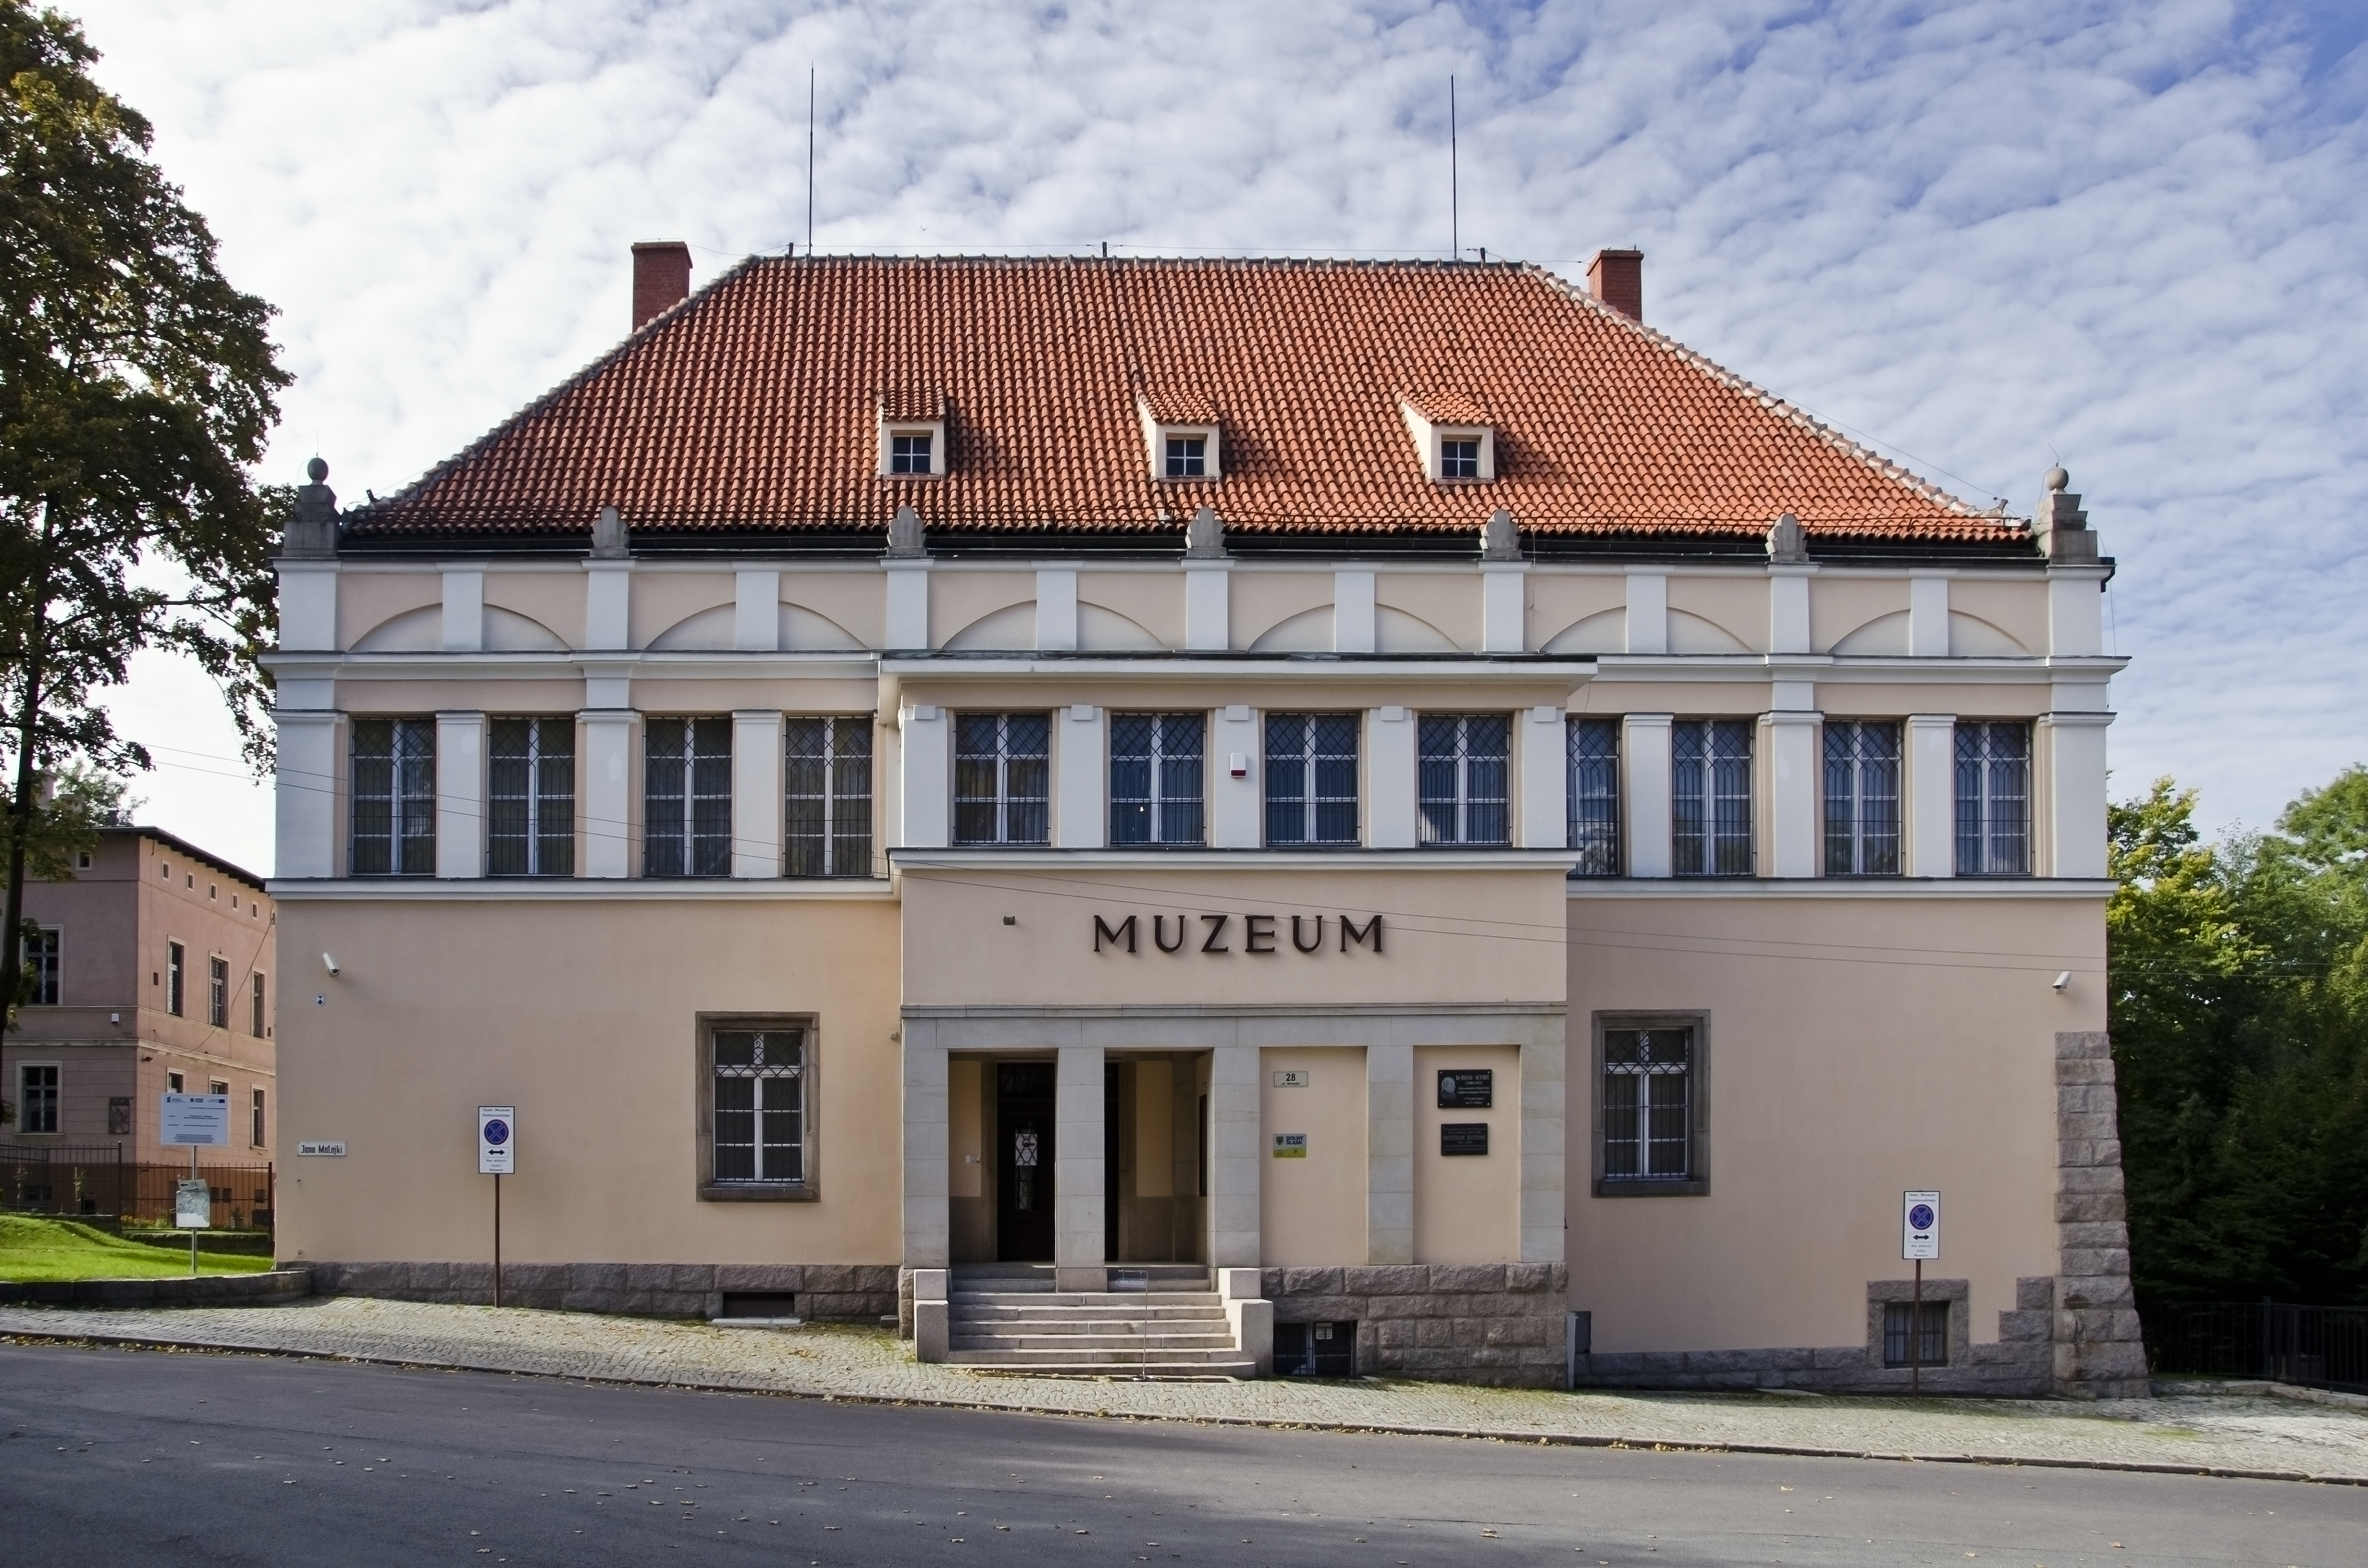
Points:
(119, 1115)
(1649, 1106)
(758, 1135)
(37, 1097)
(1902, 1327)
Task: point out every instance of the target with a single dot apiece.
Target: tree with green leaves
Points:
(136, 389)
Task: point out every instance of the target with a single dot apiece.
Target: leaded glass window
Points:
(1464, 773)
(828, 780)
(1862, 798)
(530, 798)
(1595, 796)
(1993, 799)
(1310, 778)
(1002, 775)
(1649, 1077)
(393, 816)
(1158, 763)
(1711, 796)
(759, 1089)
(687, 798)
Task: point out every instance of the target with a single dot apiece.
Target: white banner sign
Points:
(196, 1120)
(496, 1139)
(1919, 1221)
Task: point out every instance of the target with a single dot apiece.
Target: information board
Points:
(193, 1206)
(1291, 1145)
(1467, 1088)
(196, 1121)
(1462, 1136)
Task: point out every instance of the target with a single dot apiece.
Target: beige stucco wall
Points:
(1312, 1209)
(582, 1013)
(1467, 1209)
(1857, 1048)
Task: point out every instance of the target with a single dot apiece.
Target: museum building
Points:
(1180, 818)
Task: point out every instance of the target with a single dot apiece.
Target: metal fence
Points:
(2317, 1346)
(101, 1182)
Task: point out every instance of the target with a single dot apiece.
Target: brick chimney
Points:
(661, 278)
(1617, 278)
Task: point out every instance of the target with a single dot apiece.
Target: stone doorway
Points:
(1024, 1152)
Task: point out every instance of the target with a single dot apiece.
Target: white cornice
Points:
(1383, 669)
(909, 860)
(579, 889)
(1880, 887)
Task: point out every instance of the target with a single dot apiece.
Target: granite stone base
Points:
(1499, 1323)
(204, 1291)
(862, 1292)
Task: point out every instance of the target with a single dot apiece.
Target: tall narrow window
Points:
(1993, 799)
(255, 1024)
(254, 1129)
(1649, 1105)
(1862, 798)
(1711, 796)
(1310, 778)
(1464, 775)
(37, 1097)
(1002, 775)
(39, 956)
(828, 780)
(393, 798)
(530, 798)
(687, 798)
(1158, 764)
(758, 1089)
(218, 993)
(176, 962)
(1595, 796)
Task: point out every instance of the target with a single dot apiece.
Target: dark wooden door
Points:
(1023, 1180)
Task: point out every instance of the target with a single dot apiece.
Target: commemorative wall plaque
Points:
(1471, 1088)
(1462, 1136)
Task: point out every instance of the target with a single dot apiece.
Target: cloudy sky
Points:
(1982, 236)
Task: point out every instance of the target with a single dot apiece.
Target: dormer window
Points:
(1453, 437)
(911, 435)
(1180, 436)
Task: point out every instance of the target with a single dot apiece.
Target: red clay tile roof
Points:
(750, 407)
(1181, 405)
(1448, 408)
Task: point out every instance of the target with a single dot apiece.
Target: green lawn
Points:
(38, 1251)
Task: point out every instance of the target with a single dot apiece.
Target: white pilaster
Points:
(1544, 1187)
(1792, 780)
(1543, 738)
(459, 794)
(1648, 612)
(308, 606)
(608, 605)
(306, 799)
(1504, 608)
(1788, 609)
(1056, 609)
(1238, 810)
(2075, 793)
(1930, 789)
(1208, 606)
(1927, 616)
(1389, 1154)
(1645, 791)
(1233, 1155)
(757, 804)
(1392, 793)
(606, 785)
(927, 1107)
(2075, 611)
(1352, 612)
(464, 610)
(926, 790)
(908, 604)
(1080, 822)
(757, 613)
(1078, 1197)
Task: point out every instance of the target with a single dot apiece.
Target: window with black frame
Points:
(1710, 780)
(1158, 764)
(1594, 797)
(756, 1083)
(1463, 770)
(1993, 799)
(38, 954)
(687, 797)
(393, 798)
(1003, 776)
(530, 798)
(1862, 797)
(218, 993)
(1648, 1133)
(1310, 778)
(827, 779)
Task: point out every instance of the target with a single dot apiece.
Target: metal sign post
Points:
(1919, 1238)
(497, 1157)
(199, 1121)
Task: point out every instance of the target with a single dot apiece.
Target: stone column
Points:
(1233, 1168)
(1352, 612)
(1389, 1154)
(757, 613)
(1056, 609)
(1646, 792)
(308, 606)
(463, 628)
(605, 784)
(1793, 787)
(2075, 793)
(1543, 1113)
(1079, 1262)
(1504, 606)
(459, 794)
(757, 807)
(1392, 809)
(1788, 608)
(2099, 1344)
(1082, 766)
(926, 791)
(1928, 615)
(1545, 748)
(1930, 788)
(1208, 606)
(608, 605)
(1648, 612)
(1238, 810)
(927, 1226)
(908, 604)
(308, 789)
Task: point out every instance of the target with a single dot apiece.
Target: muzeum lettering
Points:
(1258, 933)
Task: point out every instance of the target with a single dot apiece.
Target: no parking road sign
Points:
(1919, 1217)
(496, 1139)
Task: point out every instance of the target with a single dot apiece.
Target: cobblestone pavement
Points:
(2249, 1434)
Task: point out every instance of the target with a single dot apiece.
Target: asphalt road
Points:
(126, 1457)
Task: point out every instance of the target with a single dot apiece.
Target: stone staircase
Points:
(1162, 1322)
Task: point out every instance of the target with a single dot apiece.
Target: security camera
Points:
(2060, 982)
(331, 965)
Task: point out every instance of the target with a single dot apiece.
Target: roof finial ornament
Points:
(1204, 535)
(2061, 525)
(317, 469)
(1788, 543)
(609, 539)
(312, 533)
(905, 539)
(1500, 539)
(2057, 479)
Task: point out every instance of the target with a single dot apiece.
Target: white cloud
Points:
(1985, 233)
